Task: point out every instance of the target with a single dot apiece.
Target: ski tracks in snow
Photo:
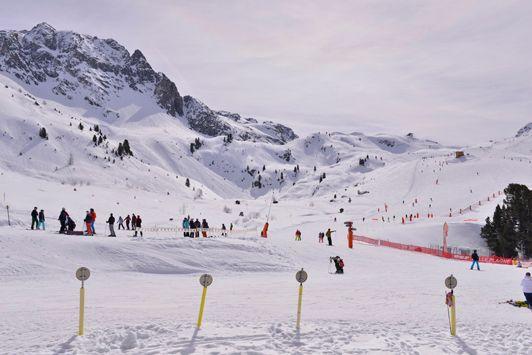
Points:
(323, 337)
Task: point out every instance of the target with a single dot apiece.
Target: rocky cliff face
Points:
(75, 65)
(92, 72)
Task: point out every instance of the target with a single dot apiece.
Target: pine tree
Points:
(94, 139)
(42, 133)
(80, 126)
(100, 140)
(120, 150)
(187, 182)
(127, 149)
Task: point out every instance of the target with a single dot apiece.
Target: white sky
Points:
(456, 71)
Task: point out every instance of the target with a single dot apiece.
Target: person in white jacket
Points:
(526, 284)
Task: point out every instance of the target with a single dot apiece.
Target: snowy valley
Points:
(86, 124)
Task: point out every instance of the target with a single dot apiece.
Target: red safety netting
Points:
(430, 251)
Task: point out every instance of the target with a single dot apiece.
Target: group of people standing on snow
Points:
(321, 236)
(67, 224)
(37, 219)
(192, 228)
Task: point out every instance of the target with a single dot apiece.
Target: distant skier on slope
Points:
(298, 235)
(120, 222)
(93, 217)
(34, 218)
(526, 284)
(41, 220)
(338, 264)
(88, 222)
(127, 220)
(321, 235)
(475, 259)
(138, 226)
(328, 234)
(111, 222)
(186, 225)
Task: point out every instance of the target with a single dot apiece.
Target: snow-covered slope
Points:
(142, 297)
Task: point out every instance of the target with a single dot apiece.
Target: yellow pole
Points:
(299, 305)
(453, 316)
(202, 306)
(81, 309)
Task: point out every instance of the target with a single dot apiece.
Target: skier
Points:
(111, 222)
(231, 227)
(88, 222)
(204, 228)
(41, 220)
(526, 284)
(138, 226)
(475, 259)
(338, 263)
(329, 236)
(127, 220)
(120, 222)
(93, 216)
(224, 230)
(63, 217)
(34, 220)
(186, 226)
(321, 235)
(298, 235)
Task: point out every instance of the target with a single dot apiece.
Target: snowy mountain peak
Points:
(524, 131)
(102, 77)
(83, 69)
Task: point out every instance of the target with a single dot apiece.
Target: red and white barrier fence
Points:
(430, 251)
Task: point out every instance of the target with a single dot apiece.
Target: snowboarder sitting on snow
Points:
(338, 263)
(298, 235)
(475, 258)
(526, 284)
(34, 220)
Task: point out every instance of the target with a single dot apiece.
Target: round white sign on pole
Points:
(451, 282)
(205, 280)
(82, 274)
(301, 276)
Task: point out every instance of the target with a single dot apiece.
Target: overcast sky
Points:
(456, 71)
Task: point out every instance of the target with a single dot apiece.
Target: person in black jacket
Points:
(34, 220)
(63, 217)
(88, 222)
(204, 228)
(475, 259)
(138, 226)
(111, 222)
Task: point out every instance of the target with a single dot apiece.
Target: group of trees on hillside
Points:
(509, 232)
